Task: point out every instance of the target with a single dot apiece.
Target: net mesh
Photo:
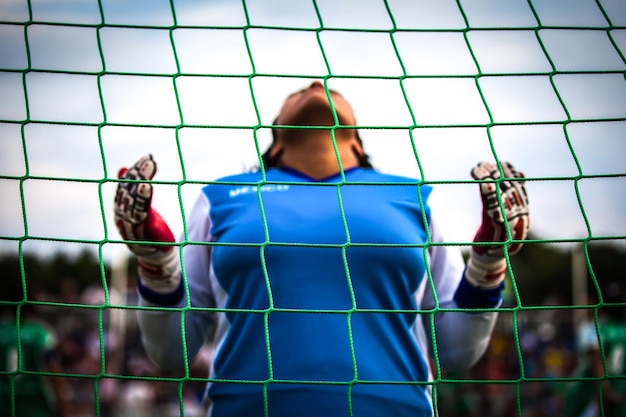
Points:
(582, 93)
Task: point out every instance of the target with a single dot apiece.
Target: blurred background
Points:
(437, 86)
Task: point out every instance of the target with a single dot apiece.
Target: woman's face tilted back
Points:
(310, 107)
(311, 150)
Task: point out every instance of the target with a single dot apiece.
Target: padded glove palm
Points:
(487, 266)
(136, 220)
(514, 210)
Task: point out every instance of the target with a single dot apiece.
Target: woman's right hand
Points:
(135, 218)
(137, 221)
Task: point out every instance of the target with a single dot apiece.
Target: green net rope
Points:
(612, 31)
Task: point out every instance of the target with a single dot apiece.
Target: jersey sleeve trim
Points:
(471, 297)
(168, 300)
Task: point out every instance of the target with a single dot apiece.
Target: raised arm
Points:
(160, 282)
(137, 221)
(505, 206)
(462, 337)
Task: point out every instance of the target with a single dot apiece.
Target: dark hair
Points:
(271, 162)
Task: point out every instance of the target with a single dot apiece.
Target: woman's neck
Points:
(312, 153)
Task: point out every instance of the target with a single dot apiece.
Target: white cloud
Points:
(11, 150)
(138, 50)
(356, 14)
(216, 101)
(131, 99)
(508, 51)
(446, 101)
(67, 11)
(64, 48)
(434, 53)
(13, 47)
(581, 50)
(496, 13)
(138, 12)
(521, 99)
(215, 13)
(375, 56)
(593, 96)
(11, 217)
(63, 97)
(599, 147)
(286, 52)
(213, 51)
(283, 13)
(12, 102)
(427, 14)
(63, 209)
(569, 13)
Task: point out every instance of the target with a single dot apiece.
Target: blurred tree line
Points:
(543, 270)
(47, 273)
(540, 270)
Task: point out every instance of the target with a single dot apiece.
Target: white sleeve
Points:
(161, 327)
(461, 337)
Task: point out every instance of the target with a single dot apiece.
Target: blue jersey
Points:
(321, 287)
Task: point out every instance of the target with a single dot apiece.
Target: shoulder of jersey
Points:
(376, 176)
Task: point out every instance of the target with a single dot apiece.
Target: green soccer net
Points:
(437, 86)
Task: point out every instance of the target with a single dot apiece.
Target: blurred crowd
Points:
(517, 375)
(105, 371)
(545, 361)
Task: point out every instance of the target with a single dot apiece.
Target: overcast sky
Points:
(539, 83)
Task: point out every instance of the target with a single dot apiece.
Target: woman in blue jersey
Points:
(320, 278)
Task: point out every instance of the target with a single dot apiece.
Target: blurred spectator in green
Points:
(28, 356)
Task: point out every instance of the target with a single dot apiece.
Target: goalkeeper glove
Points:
(486, 266)
(136, 220)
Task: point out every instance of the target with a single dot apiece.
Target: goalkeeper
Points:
(318, 295)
